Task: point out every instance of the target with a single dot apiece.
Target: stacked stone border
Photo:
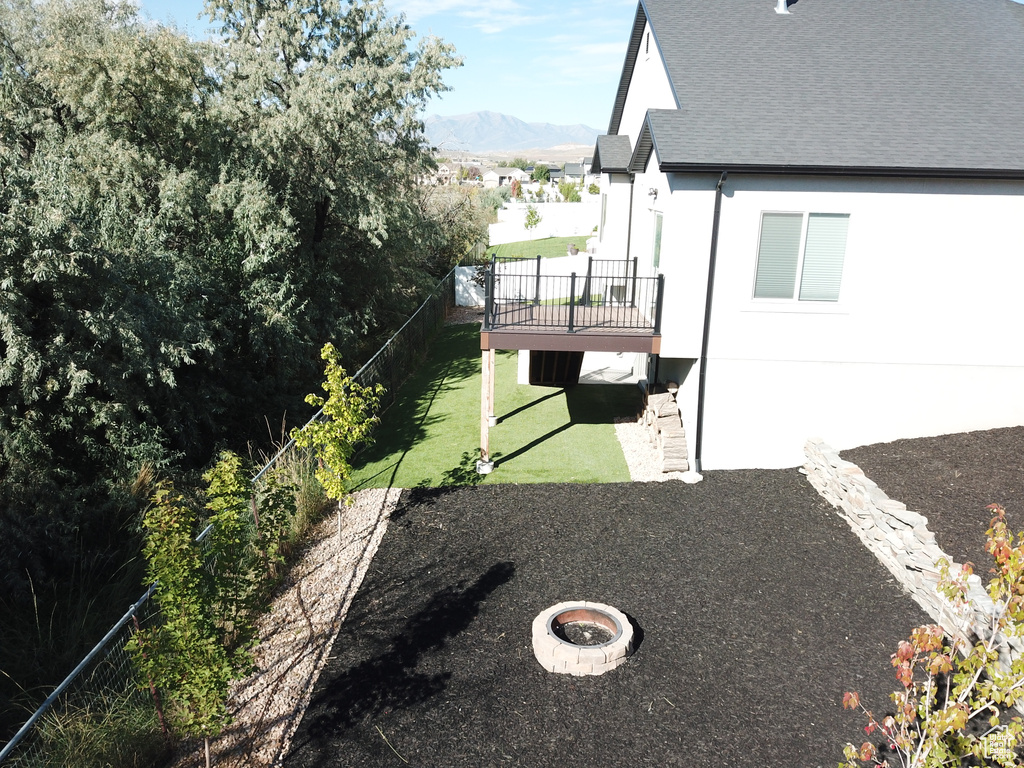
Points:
(664, 424)
(902, 542)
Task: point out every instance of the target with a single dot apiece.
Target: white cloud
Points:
(490, 17)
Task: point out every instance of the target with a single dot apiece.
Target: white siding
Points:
(924, 339)
(616, 223)
(688, 204)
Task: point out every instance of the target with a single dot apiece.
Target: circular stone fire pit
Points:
(581, 638)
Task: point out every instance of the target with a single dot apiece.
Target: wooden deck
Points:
(604, 328)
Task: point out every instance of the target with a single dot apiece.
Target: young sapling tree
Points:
(955, 702)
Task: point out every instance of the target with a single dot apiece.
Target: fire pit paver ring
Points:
(556, 653)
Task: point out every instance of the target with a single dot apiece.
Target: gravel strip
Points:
(641, 455)
(296, 637)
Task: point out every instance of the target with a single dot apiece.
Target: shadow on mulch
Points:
(951, 479)
(758, 607)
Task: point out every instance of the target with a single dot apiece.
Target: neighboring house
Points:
(447, 173)
(841, 186)
(503, 177)
(574, 173)
(556, 175)
(589, 177)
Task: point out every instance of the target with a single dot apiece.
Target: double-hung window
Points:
(800, 256)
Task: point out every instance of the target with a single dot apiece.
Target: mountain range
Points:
(495, 132)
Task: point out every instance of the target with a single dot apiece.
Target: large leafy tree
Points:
(182, 226)
(327, 97)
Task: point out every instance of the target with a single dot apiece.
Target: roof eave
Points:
(646, 145)
(635, 38)
(840, 170)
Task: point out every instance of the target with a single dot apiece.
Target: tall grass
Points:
(297, 468)
(108, 731)
(42, 641)
(121, 729)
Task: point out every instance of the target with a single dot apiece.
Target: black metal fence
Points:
(608, 297)
(106, 676)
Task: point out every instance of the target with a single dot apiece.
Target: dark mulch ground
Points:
(951, 479)
(755, 605)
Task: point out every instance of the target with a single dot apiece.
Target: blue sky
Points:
(547, 61)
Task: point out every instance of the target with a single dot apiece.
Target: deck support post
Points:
(572, 302)
(536, 289)
(632, 296)
(485, 466)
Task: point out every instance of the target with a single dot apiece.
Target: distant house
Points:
(502, 177)
(447, 173)
(589, 177)
(574, 173)
(555, 175)
(835, 200)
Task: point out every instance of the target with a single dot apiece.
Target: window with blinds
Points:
(801, 256)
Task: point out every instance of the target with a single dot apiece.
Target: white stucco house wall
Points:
(835, 196)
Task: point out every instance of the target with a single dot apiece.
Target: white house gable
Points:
(649, 88)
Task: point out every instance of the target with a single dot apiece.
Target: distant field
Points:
(551, 247)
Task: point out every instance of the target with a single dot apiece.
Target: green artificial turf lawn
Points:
(431, 435)
(550, 247)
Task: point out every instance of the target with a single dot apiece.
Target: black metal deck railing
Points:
(608, 298)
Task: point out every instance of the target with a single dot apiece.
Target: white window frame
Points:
(657, 234)
(604, 216)
(795, 303)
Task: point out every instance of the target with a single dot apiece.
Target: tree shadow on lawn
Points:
(390, 679)
(450, 362)
(587, 404)
(430, 399)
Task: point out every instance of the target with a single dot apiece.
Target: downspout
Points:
(702, 381)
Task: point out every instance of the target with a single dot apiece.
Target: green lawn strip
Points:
(429, 437)
(595, 298)
(550, 247)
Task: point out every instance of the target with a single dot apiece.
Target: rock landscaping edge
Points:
(900, 540)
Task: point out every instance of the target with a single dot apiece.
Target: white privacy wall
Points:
(925, 339)
(556, 220)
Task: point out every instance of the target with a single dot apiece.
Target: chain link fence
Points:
(101, 697)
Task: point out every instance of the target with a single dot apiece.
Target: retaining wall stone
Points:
(901, 541)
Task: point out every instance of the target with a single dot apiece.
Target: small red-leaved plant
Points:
(954, 704)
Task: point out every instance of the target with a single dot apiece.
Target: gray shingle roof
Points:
(930, 86)
(612, 154)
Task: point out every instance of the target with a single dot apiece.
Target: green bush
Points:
(532, 217)
(570, 191)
